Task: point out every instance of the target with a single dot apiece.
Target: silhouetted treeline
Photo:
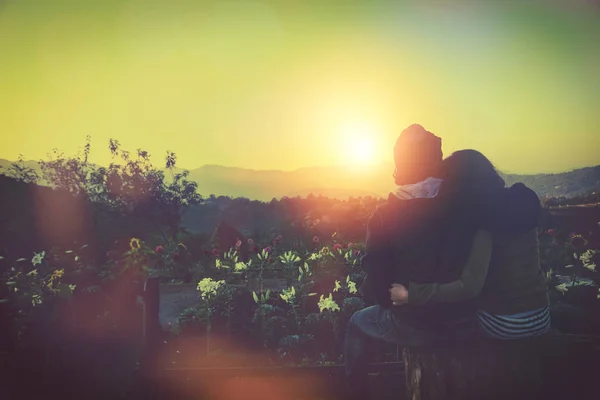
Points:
(98, 206)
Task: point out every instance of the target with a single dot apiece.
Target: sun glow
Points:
(360, 144)
(360, 150)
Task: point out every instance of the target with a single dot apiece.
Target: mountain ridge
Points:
(343, 182)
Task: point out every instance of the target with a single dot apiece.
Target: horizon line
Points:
(352, 166)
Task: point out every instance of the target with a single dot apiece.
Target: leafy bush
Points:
(293, 322)
(570, 265)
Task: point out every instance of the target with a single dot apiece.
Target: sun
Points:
(360, 140)
(360, 150)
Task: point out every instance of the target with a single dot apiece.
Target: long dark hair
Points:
(471, 186)
(475, 193)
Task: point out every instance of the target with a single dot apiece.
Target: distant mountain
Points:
(567, 184)
(342, 182)
(334, 182)
(338, 182)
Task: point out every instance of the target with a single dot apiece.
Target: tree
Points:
(129, 186)
(136, 187)
(19, 171)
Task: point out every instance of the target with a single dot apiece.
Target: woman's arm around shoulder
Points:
(469, 284)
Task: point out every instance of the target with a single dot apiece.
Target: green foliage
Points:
(31, 285)
(130, 185)
(56, 292)
(295, 322)
(21, 172)
(570, 265)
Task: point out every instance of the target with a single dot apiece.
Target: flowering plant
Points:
(570, 264)
(33, 285)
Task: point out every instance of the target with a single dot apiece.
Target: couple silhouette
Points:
(452, 255)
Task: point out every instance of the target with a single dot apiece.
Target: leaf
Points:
(255, 297)
(561, 288)
(567, 281)
(268, 294)
(591, 267)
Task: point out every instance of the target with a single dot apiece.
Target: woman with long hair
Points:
(503, 273)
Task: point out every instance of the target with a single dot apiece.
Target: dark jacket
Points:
(417, 240)
(515, 282)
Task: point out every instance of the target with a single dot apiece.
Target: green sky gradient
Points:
(282, 84)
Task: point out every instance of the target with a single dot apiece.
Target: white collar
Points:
(426, 189)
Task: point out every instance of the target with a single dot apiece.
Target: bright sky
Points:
(288, 84)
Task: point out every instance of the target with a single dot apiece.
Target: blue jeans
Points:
(374, 324)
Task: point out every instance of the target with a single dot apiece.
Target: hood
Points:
(426, 189)
(517, 209)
